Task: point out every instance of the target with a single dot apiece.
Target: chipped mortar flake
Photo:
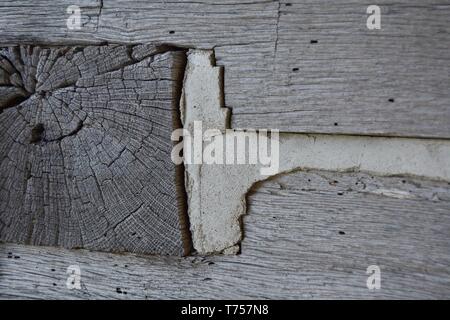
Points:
(216, 193)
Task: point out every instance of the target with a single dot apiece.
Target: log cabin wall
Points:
(300, 66)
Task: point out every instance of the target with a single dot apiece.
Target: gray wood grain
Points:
(299, 66)
(331, 74)
(307, 235)
(85, 149)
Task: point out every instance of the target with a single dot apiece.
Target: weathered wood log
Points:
(85, 148)
(307, 235)
(296, 65)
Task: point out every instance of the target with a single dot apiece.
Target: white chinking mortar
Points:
(216, 193)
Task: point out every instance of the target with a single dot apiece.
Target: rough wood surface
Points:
(299, 66)
(331, 74)
(85, 148)
(307, 235)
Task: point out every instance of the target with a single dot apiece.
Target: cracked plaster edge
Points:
(217, 193)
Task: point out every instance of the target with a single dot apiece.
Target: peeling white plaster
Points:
(216, 193)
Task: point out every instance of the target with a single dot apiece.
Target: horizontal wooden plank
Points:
(85, 149)
(307, 235)
(331, 74)
(299, 66)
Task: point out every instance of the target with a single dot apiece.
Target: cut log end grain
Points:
(85, 148)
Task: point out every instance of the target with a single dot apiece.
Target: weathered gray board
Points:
(85, 148)
(307, 235)
(296, 65)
